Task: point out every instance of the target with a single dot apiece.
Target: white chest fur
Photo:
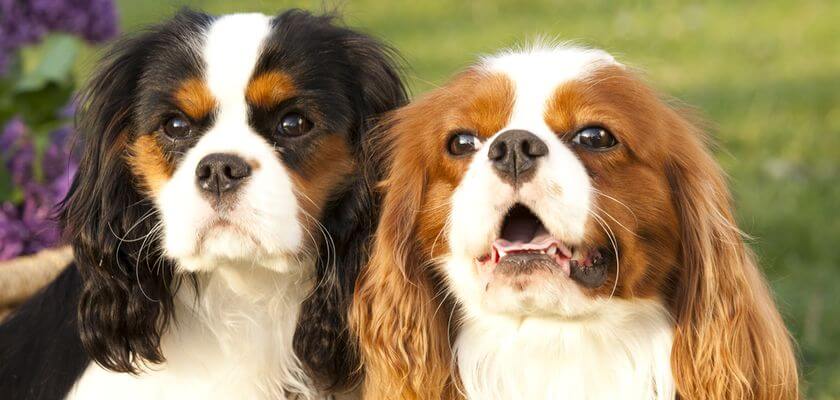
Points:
(233, 341)
(623, 353)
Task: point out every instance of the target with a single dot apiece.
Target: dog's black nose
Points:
(218, 174)
(514, 154)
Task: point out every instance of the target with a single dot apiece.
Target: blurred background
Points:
(766, 75)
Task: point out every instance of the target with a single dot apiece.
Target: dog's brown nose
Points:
(219, 174)
(514, 154)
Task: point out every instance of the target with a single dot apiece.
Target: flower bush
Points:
(39, 42)
(25, 22)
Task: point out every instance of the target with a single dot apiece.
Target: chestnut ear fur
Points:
(730, 340)
(396, 311)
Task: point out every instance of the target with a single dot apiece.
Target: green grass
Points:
(767, 76)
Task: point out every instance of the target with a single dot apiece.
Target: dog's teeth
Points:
(552, 251)
(597, 258)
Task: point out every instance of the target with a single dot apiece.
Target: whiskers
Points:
(445, 228)
(328, 241)
(611, 237)
(608, 197)
(153, 235)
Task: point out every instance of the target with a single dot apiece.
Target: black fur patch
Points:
(41, 356)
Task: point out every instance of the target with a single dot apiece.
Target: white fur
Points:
(559, 193)
(231, 49)
(232, 340)
(622, 352)
(551, 340)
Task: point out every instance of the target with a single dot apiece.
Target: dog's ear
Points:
(396, 313)
(126, 299)
(730, 341)
(322, 339)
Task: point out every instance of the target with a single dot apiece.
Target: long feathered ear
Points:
(399, 321)
(731, 342)
(126, 299)
(322, 339)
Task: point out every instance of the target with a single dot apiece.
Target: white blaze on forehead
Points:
(536, 73)
(559, 192)
(266, 206)
(231, 51)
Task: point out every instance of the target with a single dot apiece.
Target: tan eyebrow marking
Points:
(193, 97)
(269, 89)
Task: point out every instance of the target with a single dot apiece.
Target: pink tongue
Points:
(540, 242)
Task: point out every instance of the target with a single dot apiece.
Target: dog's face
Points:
(243, 137)
(551, 188)
(226, 141)
(547, 190)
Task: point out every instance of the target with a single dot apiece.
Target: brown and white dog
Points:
(552, 229)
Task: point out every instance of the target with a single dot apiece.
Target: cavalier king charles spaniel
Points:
(218, 219)
(553, 229)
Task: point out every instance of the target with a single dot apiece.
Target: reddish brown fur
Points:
(313, 184)
(661, 194)
(643, 219)
(148, 163)
(193, 98)
(269, 89)
(406, 350)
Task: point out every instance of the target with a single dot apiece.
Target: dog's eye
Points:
(595, 138)
(177, 128)
(463, 143)
(294, 124)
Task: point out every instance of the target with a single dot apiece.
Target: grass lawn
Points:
(765, 74)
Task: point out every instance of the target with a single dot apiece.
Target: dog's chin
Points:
(225, 245)
(532, 286)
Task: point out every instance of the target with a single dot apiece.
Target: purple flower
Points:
(69, 109)
(56, 157)
(37, 216)
(25, 22)
(12, 232)
(18, 151)
(29, 226)
(12, 133)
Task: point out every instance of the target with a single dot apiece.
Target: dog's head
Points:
(554, 184)
(225, 141)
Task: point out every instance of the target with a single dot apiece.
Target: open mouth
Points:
(525, 244)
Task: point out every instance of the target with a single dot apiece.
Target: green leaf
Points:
(6, 187)
(50, 62)
(39, 108)
(7, 85)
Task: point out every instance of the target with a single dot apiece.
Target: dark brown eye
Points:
(294, 124)
(595, 138)
(463, 143)
(177, 128)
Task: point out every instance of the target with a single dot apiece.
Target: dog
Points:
(218, 219)
(552, 228)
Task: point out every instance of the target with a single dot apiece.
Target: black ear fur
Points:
(126, 299)
(322, 339)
